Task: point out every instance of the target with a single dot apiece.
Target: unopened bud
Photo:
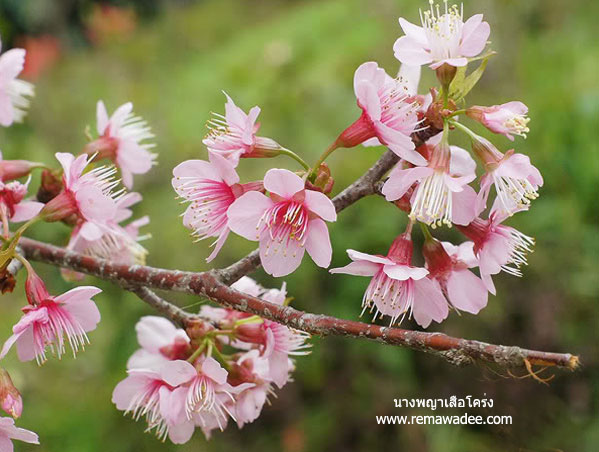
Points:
(198, 328)
(15, 169)
(10, 398)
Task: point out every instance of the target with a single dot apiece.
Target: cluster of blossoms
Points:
(225, 364)
(220, 368)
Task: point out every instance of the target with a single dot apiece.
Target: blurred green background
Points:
(296, 60)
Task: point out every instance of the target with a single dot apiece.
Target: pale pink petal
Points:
(85, 312)
(429, 303)
(461, 163)
(400, 180)
(26, 210)
(358, 256)
(177, 372)
(90, 231)
(283, 182)
(318, 243)
(222, 238)
(410, 77)
(368, 99)
(358, 268)
(155, 332)
(95, 205)
(409, 51)
(279, 368)
(399, 143)
(474, 36)
(245, 214)
(143, 359)
(11, 64)
(126, 391)
(213, 370)
(466, 291)
(402, 272)
(320, 204)
(101, 117)
(224, 169)
(463, 206)
(414, 32)
(280, 259)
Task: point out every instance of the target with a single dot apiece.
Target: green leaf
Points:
(461, 86)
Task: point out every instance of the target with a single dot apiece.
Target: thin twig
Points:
(207, 284)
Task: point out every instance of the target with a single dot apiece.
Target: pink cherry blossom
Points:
(9, 431)
(234, 135)
(448, 265)
(497, 247)
(515, 179)
(442, 39)
(118, 243)
(13, 206)
(121, 140)
(210, 188)
(397, 288)
(159, 394)
(13, 92)
(442, 195)
(48, 319)
(255, 369)
(289, 222)
(506, 119)
(389, 113)
(160, 341)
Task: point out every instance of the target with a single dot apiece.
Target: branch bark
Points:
(457, 351)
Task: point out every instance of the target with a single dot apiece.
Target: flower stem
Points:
(198, 351)
(462, 111)
(323, 157)
(295, 157)
(463, 128)
(425, 231)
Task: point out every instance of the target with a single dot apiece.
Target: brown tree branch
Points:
(208, 284)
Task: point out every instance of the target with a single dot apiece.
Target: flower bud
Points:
(198, 328)
(7, 280)
(10, 398)
(15, 169)
(35, 289)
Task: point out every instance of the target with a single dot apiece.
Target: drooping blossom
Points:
(397, 288)
(118, 243)
(449, 266)
(234, 135)
(497, 247)
(14, 93)
(253, 368)
(289, 222)
(53, 321)
(160, 341)
(389, 113)
(515, 179)
(14, 207)
(10, 398)
(159, 395)
(210, 188)
(9, 431)
(507, 119)
(442, 195)
(121, 139)
(444, 38)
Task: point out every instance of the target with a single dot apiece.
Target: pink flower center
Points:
(210, 200)
(286, 221)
